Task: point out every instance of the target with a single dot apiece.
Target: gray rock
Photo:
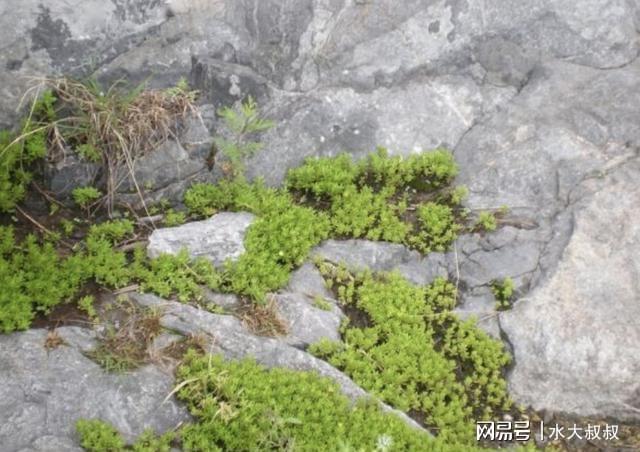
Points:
(49, 443)
(219, 238)
(383, 256)
(576, 337)
(307, 323)
(308, 281)
(226, 335)
(43, 393)
(69, 173)
(226, 301)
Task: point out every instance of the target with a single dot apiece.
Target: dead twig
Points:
(40, 226)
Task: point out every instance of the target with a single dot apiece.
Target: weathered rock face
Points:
(219, 238)
(44, 392)
(537, 99)
(576, 336)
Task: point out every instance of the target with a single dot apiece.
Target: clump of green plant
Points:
(503, 291)
(175, 275)
(320, 303)
(458, 195)
(409, 348)
(33, 279)
(68, 227)
(438, 228)
(174, 218)
(487, 221)
(362, 213)
(323, 177)
(99, 436)
(423, 172)
(239, 405)
(275, 243)
(240, 122)
(19, 151)
(85, 196)
(86, 304)
(371, 198)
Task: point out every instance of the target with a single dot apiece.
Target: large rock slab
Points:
(44, 392)
(576, 338)
(219, 238)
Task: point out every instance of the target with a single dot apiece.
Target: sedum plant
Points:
(412, 351)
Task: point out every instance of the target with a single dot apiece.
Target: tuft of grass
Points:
(125, 344)
(263, 319)
(53, 340)
(112, 126)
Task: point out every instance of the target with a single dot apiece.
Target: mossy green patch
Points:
(411, 350)
(240, 405)
(33, 279)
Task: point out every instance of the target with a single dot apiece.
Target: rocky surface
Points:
(44, 392)
(226, 335)
(576, 337)
(161, 175)
(540, 102)
(217, 239)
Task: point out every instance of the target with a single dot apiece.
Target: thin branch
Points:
(41, 227)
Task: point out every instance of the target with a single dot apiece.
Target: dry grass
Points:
(120, 125)
(53, 340)
(263, 319)
(126, 346)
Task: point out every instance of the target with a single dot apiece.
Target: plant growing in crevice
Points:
(241, 122)
(405, 344)
(124, 346)
(85, 197)
(486, 221)
(19, 151)
(263, 319)
(111, 126)
(503, 291)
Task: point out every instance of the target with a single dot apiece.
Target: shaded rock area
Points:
(43, 392)
(539, 101)
(160, 175)
(217, 239)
